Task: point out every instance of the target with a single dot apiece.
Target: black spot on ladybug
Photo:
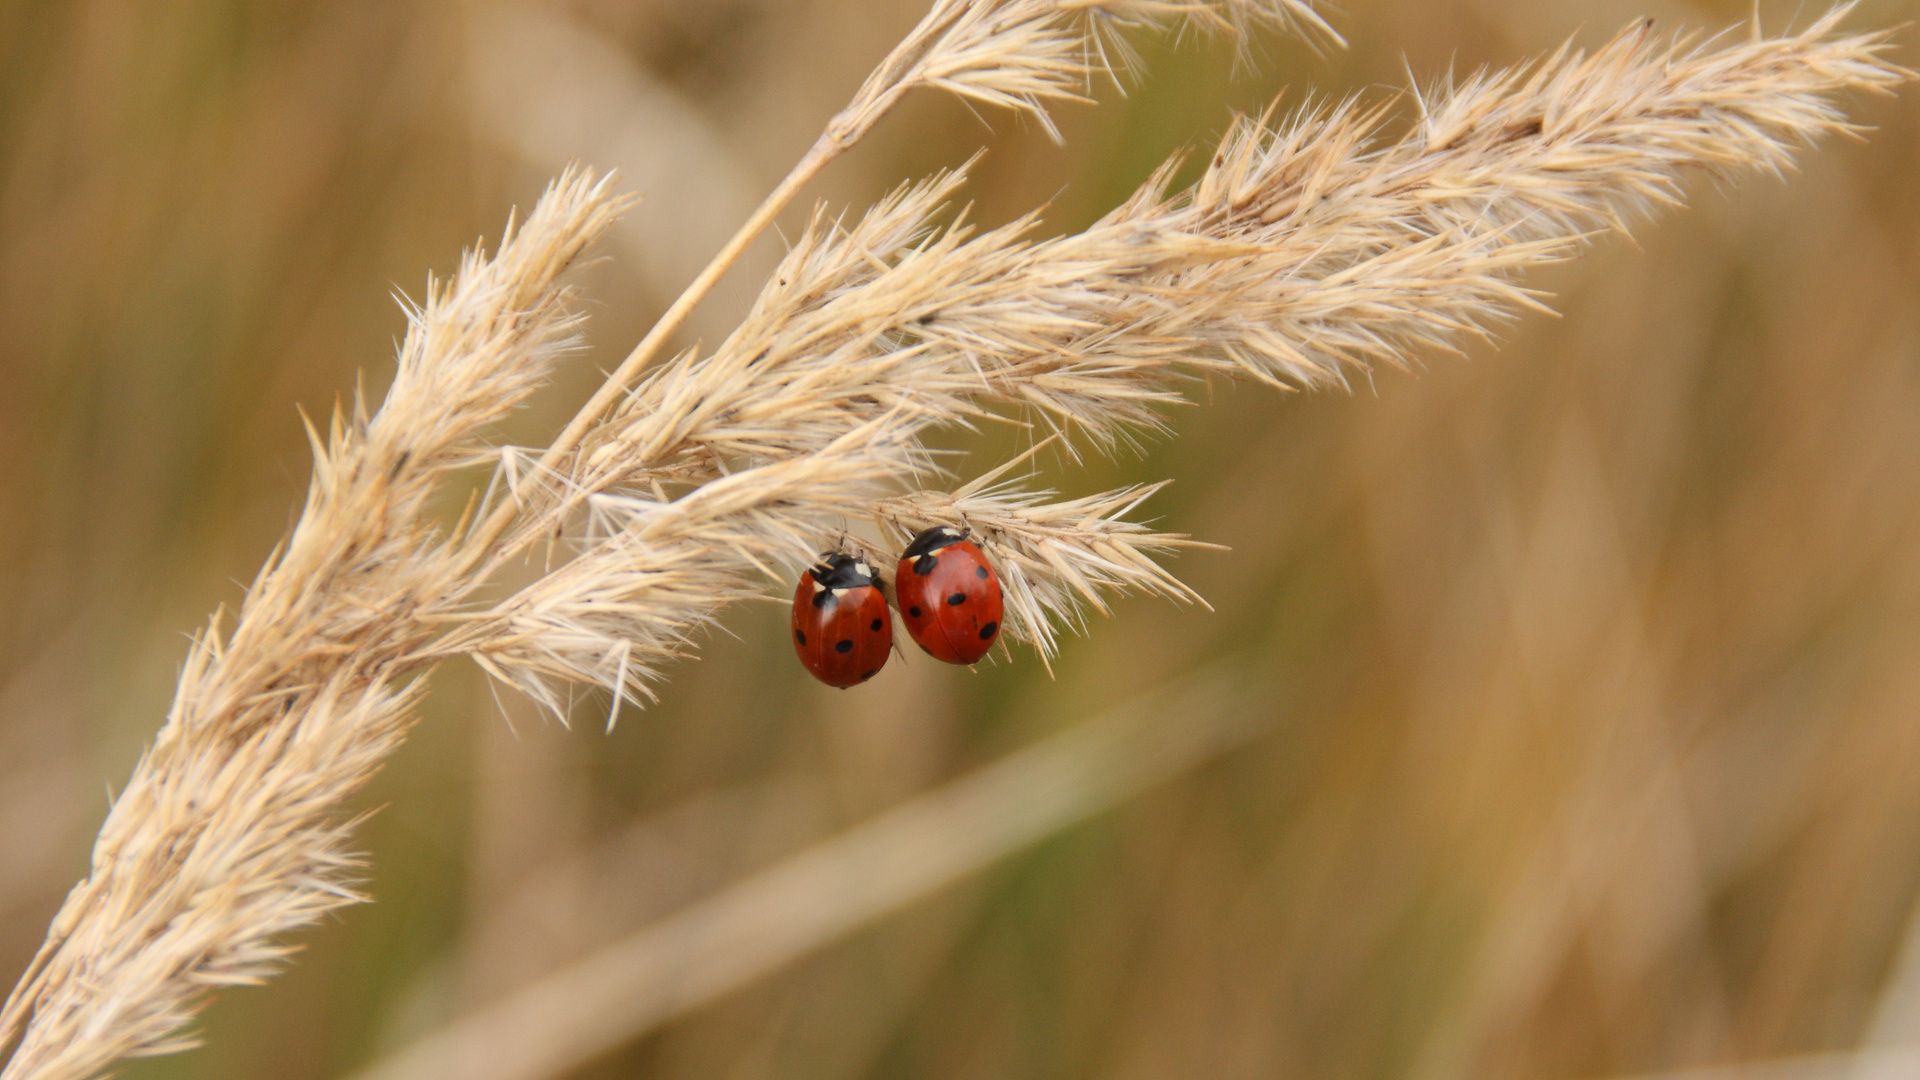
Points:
(913, 612)
(987, 631)
(875, 626)
(957, 599)
(924, 564)
(800, 637)
(844, 646)
(980, 572)
(868, 675)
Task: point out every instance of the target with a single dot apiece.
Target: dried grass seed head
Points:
(1305, 249)
(227, 837)
(1025, 55)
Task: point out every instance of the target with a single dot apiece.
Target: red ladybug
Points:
(841, 627)
(949, 596)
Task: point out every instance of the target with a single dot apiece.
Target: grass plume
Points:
(230, 834)
(1309, 248)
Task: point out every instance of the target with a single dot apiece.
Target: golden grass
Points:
(1308, 248)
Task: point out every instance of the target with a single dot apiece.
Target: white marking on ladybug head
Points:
(838, 593)
(864, 569)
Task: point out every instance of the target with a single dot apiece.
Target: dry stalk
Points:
(1308, 248)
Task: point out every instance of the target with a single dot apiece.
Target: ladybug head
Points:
(842, 571)
(933, 540)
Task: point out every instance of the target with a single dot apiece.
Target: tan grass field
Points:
(1553, 710)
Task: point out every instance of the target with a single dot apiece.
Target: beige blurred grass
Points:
(765, 922)
(1611, 628)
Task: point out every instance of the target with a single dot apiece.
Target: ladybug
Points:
(949, 596)
(841, 627)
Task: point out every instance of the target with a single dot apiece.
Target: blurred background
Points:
(1590, 736)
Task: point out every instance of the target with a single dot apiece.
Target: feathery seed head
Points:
(1056, 560)
(1026, 54)
(652, 572)
(228, 836)
(1309, 248)
(1306, 249)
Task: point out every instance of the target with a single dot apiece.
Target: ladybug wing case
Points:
(949, 596)
(842, 630)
